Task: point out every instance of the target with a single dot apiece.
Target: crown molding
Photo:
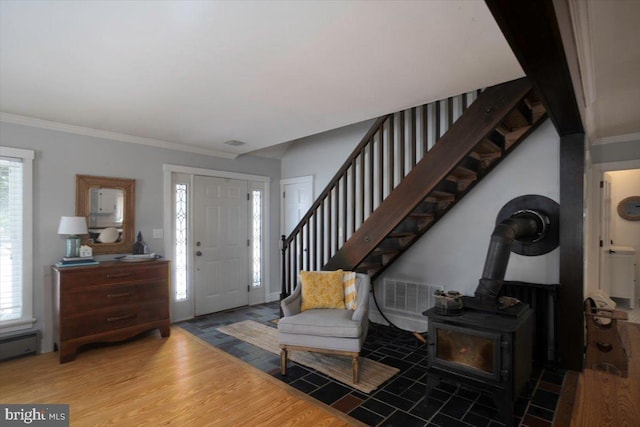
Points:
(630, 137)
(115, 136)
(581, 17)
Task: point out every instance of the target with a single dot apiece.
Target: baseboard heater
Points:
(20, 345)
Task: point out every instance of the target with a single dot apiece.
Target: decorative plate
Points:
(629, 208)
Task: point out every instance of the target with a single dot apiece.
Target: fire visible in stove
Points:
(465, 349)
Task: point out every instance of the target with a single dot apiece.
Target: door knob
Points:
(198, 253)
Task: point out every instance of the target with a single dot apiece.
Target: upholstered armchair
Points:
(340, 331)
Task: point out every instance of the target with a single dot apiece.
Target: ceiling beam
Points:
(532, 30)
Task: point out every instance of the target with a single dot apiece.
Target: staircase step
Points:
(383, 251)
(487, 148)
(423, 219)
(486, 152)
(400, 234)
(421, 215)
(381, 256)
(514, 136)
(447, 186)
(463, 173)
(388, 258)
(440, 196)
(534, 103)
(497, 138)
(369, 269)
(463, 177)
(401, 239)
(515, 120)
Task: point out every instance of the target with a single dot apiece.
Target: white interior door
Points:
(605, 233)
(221, 244)
(297, 196)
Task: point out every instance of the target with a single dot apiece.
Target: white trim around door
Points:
(185, 309)
(302, 181)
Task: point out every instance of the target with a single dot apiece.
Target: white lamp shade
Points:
(72, 225)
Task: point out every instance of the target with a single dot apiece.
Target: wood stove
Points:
(483, 350)
(487, 344)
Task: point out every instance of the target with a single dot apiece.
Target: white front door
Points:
(221, 244)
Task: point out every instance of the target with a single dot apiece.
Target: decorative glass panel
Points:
(181, 242)
(465, 349)
(257, 237)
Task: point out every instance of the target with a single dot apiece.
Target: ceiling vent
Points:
(235, 143)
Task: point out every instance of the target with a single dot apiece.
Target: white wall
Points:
(322, 155)
(452, 253)
(59, 156)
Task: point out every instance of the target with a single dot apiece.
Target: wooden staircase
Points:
(388, 208)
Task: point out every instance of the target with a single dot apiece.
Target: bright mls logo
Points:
(37, 415)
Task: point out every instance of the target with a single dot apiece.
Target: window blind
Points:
(11, 238)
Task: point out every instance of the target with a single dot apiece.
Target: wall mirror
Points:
(109, 206)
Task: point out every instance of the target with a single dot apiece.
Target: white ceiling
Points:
(195, 74)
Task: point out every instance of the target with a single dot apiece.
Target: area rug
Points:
(372, 374)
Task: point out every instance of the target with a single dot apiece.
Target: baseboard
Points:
(406, 323)
(274, 296)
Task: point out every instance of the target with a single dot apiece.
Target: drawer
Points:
(112, 318)
(114, 273)
(76, 301)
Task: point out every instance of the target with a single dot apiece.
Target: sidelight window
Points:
(181, 233)
(257, 237)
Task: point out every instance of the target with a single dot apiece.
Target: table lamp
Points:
(73, 226)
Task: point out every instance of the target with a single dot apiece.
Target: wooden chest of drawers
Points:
(109, 302)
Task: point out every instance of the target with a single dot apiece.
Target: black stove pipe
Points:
(524, 224)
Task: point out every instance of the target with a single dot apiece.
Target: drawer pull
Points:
(126, 316)
(124, 294)
(118, 275)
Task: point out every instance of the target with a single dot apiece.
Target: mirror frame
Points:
(84, 183)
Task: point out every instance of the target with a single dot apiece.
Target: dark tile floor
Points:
(398, 402)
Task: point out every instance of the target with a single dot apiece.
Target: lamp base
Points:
(73, 246)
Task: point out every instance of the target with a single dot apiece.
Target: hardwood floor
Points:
(179, 381)
(604, 400)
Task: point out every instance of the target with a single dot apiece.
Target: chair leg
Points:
(283, 361)
(354, 363)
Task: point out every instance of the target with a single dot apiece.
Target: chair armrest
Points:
(291, 304)
(363, 286)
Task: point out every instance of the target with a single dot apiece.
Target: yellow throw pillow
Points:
(322, 289)
(350, 291)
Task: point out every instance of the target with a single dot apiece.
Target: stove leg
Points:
(432, 381)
